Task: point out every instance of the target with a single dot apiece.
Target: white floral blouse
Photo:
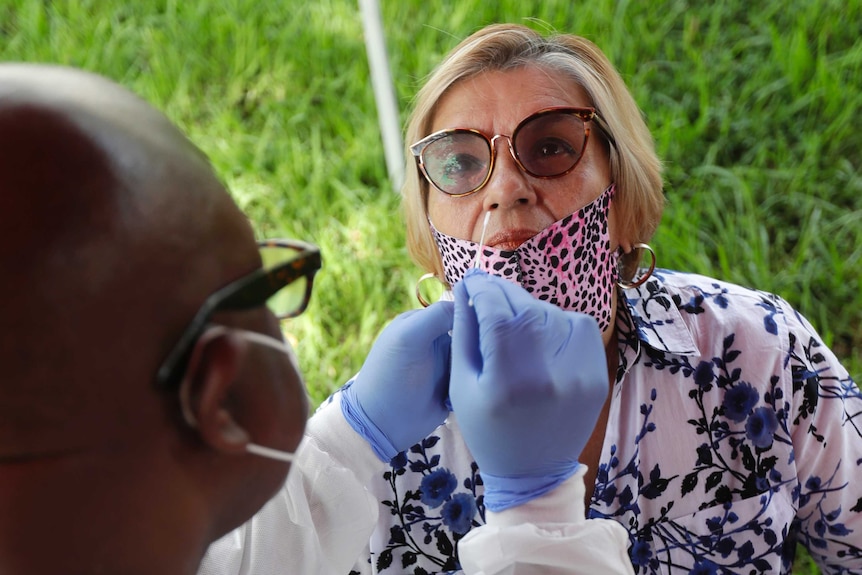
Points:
(733, 434)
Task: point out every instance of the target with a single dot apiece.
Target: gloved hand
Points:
(400, 394)
(528, 383)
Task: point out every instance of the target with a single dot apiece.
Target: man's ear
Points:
(212, 371)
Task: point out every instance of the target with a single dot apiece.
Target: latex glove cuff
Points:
(360, 422)
(502, 492)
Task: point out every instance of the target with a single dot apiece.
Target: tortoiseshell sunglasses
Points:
(283, 283)
(546, 144)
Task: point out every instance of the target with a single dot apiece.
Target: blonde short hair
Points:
(635, 168)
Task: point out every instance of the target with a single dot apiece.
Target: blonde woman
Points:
(706, 421)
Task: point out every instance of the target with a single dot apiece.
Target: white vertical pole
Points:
(384, 91)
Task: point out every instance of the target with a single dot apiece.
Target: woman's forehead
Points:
(497, 101)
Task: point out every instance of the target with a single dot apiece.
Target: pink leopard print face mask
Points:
(569, 263)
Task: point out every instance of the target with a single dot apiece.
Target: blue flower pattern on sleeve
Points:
(429, 511)
(734, 433)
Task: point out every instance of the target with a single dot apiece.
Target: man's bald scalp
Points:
(64, 131)
(110, 221)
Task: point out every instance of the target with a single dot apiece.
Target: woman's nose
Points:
(508, 185)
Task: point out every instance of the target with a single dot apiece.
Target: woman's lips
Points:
(509, 240)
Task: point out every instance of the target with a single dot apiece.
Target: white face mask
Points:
(261, 339)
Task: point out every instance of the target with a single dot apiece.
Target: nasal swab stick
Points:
(478, 259)
(482, 240)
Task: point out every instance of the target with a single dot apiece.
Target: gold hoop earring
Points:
(422, 300)
(644, 277)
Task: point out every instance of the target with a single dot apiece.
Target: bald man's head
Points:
(113, 230)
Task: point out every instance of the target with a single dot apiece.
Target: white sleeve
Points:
(320, 521)
(548, 535)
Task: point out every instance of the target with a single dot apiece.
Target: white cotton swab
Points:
(478, 259)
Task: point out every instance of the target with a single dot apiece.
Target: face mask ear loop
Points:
(283, 347)
(186, 386)
(263, 339)
(185, 404)
(270, 453)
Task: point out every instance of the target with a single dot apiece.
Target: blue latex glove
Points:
(528, 383)
(400, 394)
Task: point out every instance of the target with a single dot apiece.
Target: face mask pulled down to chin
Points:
(569, 264)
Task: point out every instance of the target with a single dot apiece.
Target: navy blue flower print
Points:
(430, 516)
(437, 486)
(760, 427)
(703, 374)
(399, 461)
(640, 553)
(458, 513)
(739, 400)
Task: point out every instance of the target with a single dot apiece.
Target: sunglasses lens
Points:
(550, 144)
(457, 162)
(290, 299)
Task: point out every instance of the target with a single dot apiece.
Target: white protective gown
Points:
(321, 521)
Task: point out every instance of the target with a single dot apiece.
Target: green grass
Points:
(755, 108)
